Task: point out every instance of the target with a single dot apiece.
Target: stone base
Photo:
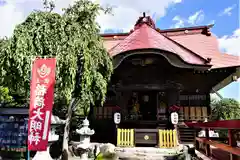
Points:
(94, 149)
(84, 156)
(42, 155)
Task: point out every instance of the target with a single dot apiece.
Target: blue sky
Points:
(213, 11)
(167, 13)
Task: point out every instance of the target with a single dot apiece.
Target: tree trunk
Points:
(67, 129)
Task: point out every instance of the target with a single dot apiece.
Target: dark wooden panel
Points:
(146, 130)
(146, 136)
(137, 124)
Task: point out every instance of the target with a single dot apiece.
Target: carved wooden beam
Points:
(149, 86)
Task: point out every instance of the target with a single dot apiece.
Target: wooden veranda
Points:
(218, 148)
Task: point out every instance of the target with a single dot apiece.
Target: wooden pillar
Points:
(208, 99)
(157, 96)
(207, 147)
(178, 97)
(196, 143)
(232, 142)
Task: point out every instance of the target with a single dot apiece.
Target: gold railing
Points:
(125, 137)
(167, 138)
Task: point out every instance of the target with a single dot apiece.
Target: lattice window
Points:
(105, 112)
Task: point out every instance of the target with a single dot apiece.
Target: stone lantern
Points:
(52, 137)
(85, 133)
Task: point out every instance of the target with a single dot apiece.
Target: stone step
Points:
(186, 129)
(146, 153)
(186, 134)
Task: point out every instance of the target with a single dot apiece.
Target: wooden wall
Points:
(188, 87)
(195, 107)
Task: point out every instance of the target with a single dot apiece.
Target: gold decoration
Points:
(146, 137)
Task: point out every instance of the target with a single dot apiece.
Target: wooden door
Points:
(148, 105)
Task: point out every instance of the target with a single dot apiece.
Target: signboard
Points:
(174, 118)
(13, 133)
(41, 102)
(117, 118)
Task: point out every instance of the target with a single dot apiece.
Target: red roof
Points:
(194, 45)
(146, 37)
(207, 47)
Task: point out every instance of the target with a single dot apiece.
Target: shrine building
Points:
(157, 71)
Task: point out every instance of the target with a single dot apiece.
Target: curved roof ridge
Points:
(145, 37)
(187, 28)
(162, 30)
(182, 46)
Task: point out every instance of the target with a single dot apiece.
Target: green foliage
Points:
(225, 109)
(100, 156)
(3, 46)
(73, 38)
(4, 95)
(4, 91)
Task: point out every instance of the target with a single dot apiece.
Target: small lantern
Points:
(174, 118)
(117, 118)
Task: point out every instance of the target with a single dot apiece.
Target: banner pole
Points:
(28, 155)
(32, 60)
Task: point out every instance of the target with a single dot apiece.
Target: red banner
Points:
(41, 102)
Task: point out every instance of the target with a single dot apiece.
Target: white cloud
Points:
(179, 22)
(125, 12)
(212, 22)
(9, 16)
(15, 11)
(177, 1)
(227, 11)
(194, 19)
(230, 44)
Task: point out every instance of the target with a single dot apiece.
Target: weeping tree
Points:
(4, 91)
(83, 65)
(4, 95)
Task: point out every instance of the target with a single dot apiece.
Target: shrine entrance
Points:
(148, 105)
(146, 109)
(142, 105)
